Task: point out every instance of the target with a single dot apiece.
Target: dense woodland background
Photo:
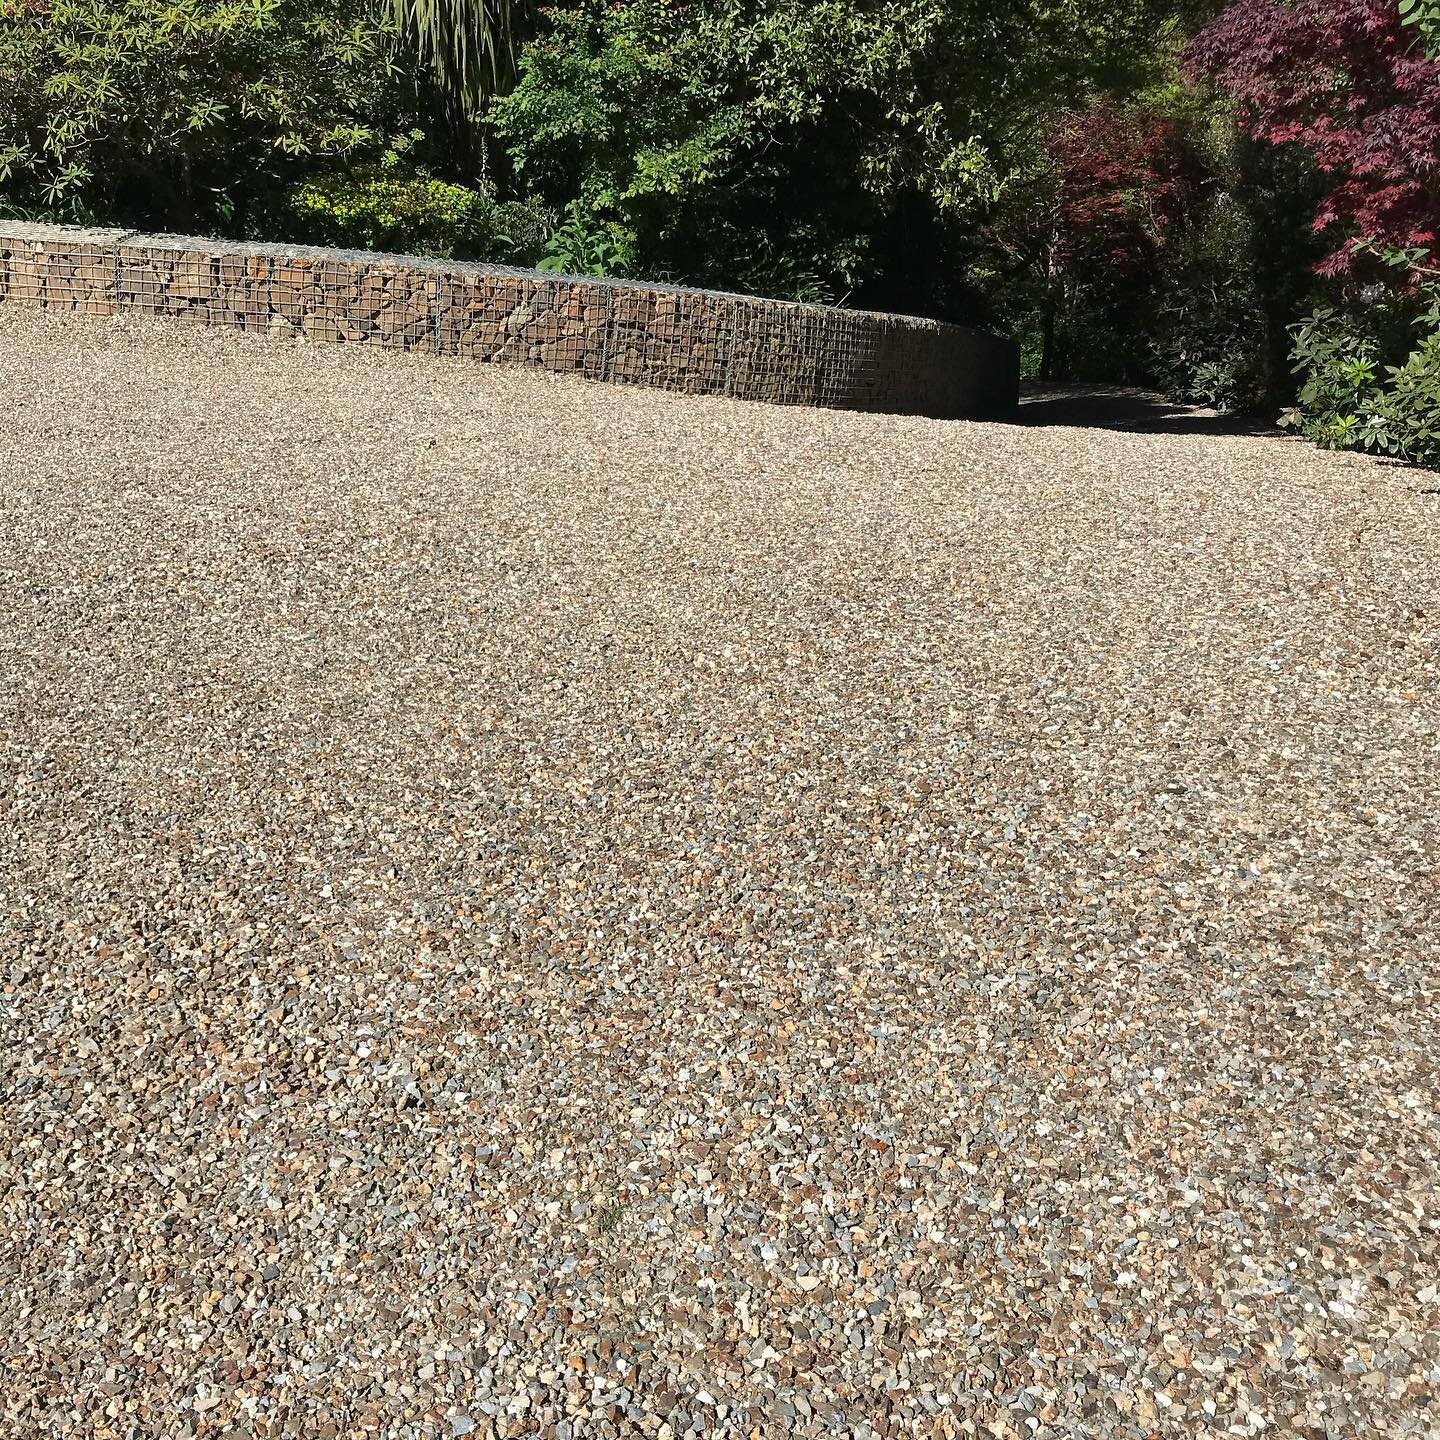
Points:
(1233, 204)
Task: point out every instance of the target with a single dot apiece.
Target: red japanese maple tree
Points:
(1350, 83)
(1122, 177)
(1115, 181)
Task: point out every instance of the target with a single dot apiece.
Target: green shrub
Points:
(779, 276)
(1207, 341)
(402, 208)
(1411, 404)
(376, 209)
(1338, 403)
(583, 245)
(1352, 397)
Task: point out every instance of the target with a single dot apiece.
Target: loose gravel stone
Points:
(539, 909)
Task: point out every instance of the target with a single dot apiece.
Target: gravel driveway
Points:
(541, 909)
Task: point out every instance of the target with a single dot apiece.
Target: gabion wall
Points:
(696, 341)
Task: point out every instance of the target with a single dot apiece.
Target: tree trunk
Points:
(1047, 337)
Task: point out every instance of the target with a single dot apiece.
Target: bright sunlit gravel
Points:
(543, 909)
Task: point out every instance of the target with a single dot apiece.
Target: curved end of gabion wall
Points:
(627, 332)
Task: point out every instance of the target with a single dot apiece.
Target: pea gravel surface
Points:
(541, 909)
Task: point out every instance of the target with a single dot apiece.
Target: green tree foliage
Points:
(791, 143)
(1424, 16)
(1215, 328)
(181, 112)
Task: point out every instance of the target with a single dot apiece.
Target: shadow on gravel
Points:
(1112, 407)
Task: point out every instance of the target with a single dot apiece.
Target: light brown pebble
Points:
(573, 911)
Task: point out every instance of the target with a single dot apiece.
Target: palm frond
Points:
(467, 44)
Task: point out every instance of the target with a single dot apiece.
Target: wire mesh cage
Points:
(699, 342)
(75, 275)
(320, 296)
(518, 319)
(675, 341)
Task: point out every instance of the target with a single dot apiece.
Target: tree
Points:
(1350, 84)
(806, 146)
(1091, 227)
(182, 112)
